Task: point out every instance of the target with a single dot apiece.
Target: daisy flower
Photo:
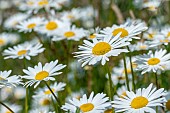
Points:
(70, 33)
(44, 102)
(92, 33)
(99, 50)
(145, 45)
(9, 81)
(72, 15)
(150, 33)
(25, 50)
(128, 29)
(45, 92)
(94, 104)
(8, 38)
(12, 21)
(167, 104)
(153, 61)
(39, 73)
(13, 107)
(143, 101)
(152, 5)
(166, 32)
(52, 27)
(40, 110)
(30, 24)
(19, 92)
(35, 5)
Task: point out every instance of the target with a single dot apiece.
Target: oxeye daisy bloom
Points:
(166, 32)
(92, 33)
(45, 92)
(39, 73)
(40, 110)
(14, 107)
(12, 21)
(153, 61)
(150, 33)
(93, 104)
(152, 5)
(141, 46)
(51, 27)
(99, 50)
(8, 38)
(30, 24)
(72, 15)
(144, 100)
(44, 102)
(8, 81)
(128, 29)
(25, 50)
(70, 33)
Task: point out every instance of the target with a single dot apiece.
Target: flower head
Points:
(142, 101)
(40, 73)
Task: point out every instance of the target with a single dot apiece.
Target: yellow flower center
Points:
(41, 75)
(151, 35)
(2, 41)
(22, 52)
(139, 102)
(69, 34)
(43, 2)
(168, 35)
(164, 41)
(134, 65)
(92, 36)
(128, 71)
(152, 8)
(123, 32)
(2, 79)
(51, 25)
(70, 16)
(31, 26)
(143, 47)
(45, 102)
(123, 94)
(30, 3)
(168, 105)
(153, 61)
(48, 92)
(8, 111)
(101, 48)
(108, 111)
(87, 107)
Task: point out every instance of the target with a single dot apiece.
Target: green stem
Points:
(126, 74)
(26, 101)
(131, 66)
(78, 110)
(156, 80)
(59, 104)
(27, 90)
(6, 107)
(110, 81)
(56, 111)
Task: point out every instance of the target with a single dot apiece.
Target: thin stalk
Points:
(110, 81)
(6, 107)
(126, 74)
(27, 90)
(59, 104)
(56, 111)
(132, 72)
(156, 80)
(78, 110)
